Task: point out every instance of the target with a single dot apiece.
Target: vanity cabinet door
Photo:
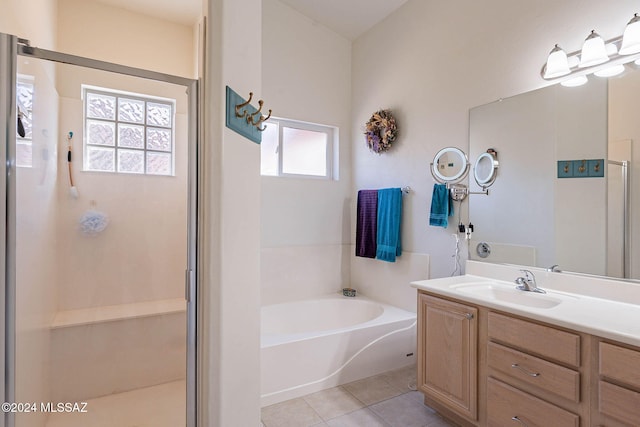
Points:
(447, 353)
(619, 385)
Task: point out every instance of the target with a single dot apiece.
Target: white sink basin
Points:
(510, 295)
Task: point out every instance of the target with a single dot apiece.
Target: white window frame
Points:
(129, 95)
(331, 159)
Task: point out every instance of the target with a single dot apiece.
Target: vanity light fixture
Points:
(557, 64)
(631, 37)
(597, 56)
(593, 51)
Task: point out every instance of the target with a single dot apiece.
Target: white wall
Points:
(430, 72)
(125, 37)
(33, 20)
(141, 255)
(230, 222)
(305, 223)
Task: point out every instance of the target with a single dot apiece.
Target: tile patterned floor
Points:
(383, 400)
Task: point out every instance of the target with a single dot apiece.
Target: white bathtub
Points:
(312, 345)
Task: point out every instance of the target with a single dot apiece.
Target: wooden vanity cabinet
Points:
(447, 349)
(534, 374)
(482, 367)
(618, 400)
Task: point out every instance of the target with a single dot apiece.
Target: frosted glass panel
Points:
(24, 156)
(130, 110)
(269, 150)
(304, 152)
(101, 159)
(131, 161)
(158, 163)
(158, 114)
(130, 136)
(101, 106)
(159, 139)
(100, 133)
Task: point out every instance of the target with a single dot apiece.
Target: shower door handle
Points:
(188, 282)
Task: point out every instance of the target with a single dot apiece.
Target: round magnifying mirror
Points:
(450, 165)
(485, 168)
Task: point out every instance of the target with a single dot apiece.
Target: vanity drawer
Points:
(620, 364)
(619, 403)
(548, 376)
(507, 405)
(542, 340)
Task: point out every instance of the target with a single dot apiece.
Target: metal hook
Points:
(239, 106)
(263, 119)
(250, 116)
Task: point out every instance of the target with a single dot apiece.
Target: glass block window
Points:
(24, 103)
(297, 149)
(128, 133)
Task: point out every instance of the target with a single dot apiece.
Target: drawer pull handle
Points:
(469, 316)
(531, 374)
(519, 420)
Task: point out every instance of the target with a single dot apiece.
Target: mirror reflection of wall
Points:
(532, 217)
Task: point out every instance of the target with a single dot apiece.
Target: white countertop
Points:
(593, 306)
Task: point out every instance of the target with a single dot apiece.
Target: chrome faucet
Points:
(528, 283)
(555, 268)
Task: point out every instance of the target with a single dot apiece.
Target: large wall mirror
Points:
(535, 215)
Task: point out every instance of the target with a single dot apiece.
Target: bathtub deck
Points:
(158, 406)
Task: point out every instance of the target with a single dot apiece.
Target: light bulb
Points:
(576, 81)
(610, 71)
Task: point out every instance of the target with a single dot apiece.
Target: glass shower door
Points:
(102, 172)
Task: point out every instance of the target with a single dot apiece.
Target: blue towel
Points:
(441, 206)
(366, 223)
(389, 216)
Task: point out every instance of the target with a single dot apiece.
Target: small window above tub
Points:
(292, 148)
(127, 132)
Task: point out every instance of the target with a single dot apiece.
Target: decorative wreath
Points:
(381, 131)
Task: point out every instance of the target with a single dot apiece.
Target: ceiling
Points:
(349, 18)
(186, 12)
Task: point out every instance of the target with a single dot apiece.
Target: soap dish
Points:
(348, 292)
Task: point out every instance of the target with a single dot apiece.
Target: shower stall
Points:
(99, 260)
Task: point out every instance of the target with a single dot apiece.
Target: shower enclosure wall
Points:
(95, 288)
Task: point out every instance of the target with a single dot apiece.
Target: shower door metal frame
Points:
(10, 48)
(8, 75)
(626, 246)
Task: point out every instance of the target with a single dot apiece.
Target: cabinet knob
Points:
(519, 420)
(526, 371)
(469, 316)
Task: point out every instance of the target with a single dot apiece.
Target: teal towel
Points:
(389, 217)
(441, 206)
